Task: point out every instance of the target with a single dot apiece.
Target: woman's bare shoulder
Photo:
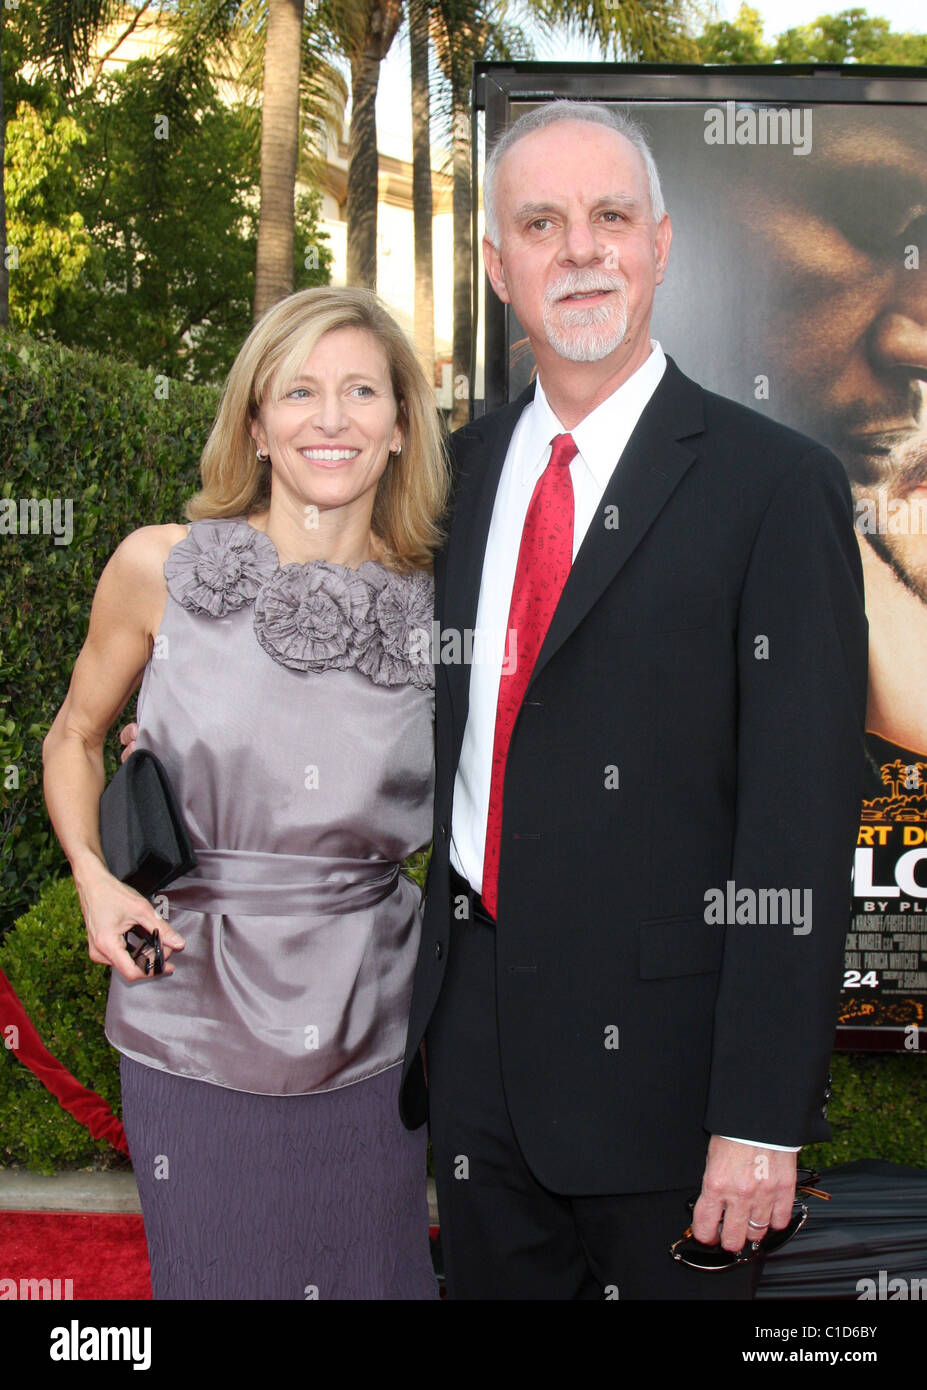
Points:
(142, 553)
(134, 577)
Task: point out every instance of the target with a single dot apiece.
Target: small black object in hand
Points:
(147, 952)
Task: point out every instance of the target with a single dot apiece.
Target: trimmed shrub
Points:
(878, 1110)
(64, 994)
(122, 447)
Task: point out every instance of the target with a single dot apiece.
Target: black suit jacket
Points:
(709, 653)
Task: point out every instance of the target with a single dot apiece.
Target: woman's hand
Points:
(111, 909)
(127, 736)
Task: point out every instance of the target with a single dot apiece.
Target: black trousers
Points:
(503, 1235)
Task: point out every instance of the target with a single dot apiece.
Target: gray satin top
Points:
(292, 708)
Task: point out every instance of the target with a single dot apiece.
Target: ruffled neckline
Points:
(314, 616)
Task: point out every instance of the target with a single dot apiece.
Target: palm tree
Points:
(644, 31)
(279, 152)
(422, 202)
(463, 32)
(367, 35)
(276, 46)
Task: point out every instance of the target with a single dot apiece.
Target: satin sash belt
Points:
(239, 882)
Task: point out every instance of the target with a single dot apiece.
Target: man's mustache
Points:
(582, 282)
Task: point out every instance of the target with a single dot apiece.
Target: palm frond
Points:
(67, 30)
(633, 30)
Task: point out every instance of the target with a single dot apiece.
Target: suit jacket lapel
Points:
(479, 452)
(653, 463)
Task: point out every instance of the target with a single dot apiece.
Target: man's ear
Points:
(664, 236)
(492, 260)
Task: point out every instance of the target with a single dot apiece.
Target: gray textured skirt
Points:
(278, 1197)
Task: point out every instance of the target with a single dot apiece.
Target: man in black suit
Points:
(635, 914)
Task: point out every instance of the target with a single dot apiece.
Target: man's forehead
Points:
(574, 157)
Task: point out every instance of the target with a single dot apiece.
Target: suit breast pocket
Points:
(685, 945)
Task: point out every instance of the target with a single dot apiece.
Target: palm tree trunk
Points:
(383, 19)
(363, 173)
(422, 206)
(463, 258)
(279, 149)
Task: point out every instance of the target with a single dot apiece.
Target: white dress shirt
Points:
(600, 439)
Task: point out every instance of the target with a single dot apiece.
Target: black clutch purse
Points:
(145, 842)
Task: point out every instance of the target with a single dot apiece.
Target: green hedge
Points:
(122, 445)
(878, 1109)
(64, 994)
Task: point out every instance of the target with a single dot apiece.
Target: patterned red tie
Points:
(544, 560)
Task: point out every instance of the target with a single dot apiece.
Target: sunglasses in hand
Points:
(146, 952)
(692, 1252)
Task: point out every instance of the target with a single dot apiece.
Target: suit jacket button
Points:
(438, 950)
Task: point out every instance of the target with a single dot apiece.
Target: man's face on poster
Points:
(840, 236)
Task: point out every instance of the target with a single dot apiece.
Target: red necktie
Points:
(544, 560)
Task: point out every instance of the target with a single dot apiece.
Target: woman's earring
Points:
(262, 458)
(394, 453)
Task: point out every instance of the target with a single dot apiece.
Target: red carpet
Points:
(76, 1255)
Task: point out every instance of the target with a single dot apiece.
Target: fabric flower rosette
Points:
(220, 567)
(310, 617)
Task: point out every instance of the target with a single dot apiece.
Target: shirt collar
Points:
(594, 436)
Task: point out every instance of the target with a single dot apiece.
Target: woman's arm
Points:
(126, 613)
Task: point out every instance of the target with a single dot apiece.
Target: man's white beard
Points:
(585, 334)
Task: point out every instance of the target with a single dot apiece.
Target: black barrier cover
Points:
(868, 1243)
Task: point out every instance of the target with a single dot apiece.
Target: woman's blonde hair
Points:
(412, 493)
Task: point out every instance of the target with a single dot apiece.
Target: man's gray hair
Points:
(549, 114)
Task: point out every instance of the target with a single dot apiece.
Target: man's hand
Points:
(742, 1185)
(127, 736)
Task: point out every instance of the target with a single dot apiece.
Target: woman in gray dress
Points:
(282, 642)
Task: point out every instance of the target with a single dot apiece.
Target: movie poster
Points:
(797, 284)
